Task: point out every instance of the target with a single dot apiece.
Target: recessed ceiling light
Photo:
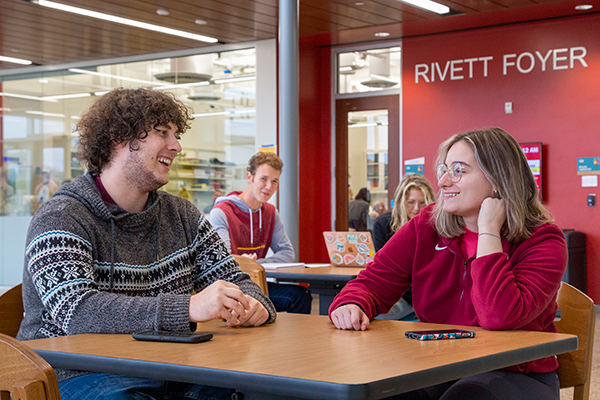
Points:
(123, 78)
(583, 7)
(15, 60)
(201, 22)
(125, 21)
(45, 114)
(22, 96)
(66, 96)
(429, 6)
(162, 11)
(230, 80)
(382, 34)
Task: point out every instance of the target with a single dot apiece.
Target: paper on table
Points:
(316, 265)
(282, 265)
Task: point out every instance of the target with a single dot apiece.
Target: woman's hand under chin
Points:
(491, 216)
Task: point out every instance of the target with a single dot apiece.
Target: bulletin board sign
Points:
(415, 166)
(533, 153)
(588, 166)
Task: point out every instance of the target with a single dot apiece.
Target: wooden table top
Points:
(307, 350)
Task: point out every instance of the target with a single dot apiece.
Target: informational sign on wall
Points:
(415, 166)
(533, 153)
(588, 166)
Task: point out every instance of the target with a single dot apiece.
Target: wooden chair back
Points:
(11, 311)
(577, 317)
(24, 374)
(255, 270)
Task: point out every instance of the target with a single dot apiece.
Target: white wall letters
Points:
(524, 63)
(455, 67)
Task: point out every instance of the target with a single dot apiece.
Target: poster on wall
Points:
(533, 153)
(415, 166)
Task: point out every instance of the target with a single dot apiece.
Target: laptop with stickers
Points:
(349, 249)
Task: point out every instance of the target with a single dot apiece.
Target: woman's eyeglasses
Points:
(455, 171)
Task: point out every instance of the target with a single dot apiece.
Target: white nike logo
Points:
(437, 247)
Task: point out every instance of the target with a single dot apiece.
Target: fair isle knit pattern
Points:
(157, 257)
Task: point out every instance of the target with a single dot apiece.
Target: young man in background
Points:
(249, 226)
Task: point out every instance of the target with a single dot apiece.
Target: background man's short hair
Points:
(271, 159)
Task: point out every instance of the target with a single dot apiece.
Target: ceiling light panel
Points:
(124, 21)
(15, 60)
(428, 5)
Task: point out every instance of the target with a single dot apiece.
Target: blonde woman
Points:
(486, 254)
(412, 194)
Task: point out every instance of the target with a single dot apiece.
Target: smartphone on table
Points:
(440, 334)
(167, 336)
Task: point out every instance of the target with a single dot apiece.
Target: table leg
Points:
(325, 301)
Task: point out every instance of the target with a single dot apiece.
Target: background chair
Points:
(578, 317)
(24, 374)
(11, 311)
(255, 270)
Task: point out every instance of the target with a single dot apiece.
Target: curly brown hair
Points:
(126, 115)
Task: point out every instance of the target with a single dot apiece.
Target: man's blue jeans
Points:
(290, 298)
(121, 387)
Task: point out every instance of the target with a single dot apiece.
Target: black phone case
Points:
(180, 337)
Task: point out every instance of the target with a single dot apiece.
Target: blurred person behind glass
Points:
(6, 190)
(358, 211)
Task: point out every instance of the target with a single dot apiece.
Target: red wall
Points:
(315, 149)
(557, 107)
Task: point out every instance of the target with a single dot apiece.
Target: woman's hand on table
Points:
(350, 316)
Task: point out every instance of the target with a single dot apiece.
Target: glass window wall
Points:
(38, 144)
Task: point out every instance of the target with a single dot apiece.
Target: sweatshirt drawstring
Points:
(112, 254)
(158, 234)
(252, 226)
(251, 229)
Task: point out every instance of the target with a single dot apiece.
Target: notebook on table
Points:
(349, 249)
(268, 265)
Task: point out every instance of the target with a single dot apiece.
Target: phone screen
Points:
(166, 336)
(440, 334)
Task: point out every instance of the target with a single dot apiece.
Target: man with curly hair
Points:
(108, 253)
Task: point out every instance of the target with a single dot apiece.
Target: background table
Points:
(324, 281)
(304, 356)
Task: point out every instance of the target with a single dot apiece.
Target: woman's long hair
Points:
(504, 165)
(409, 182)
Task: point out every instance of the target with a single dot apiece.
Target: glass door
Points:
(367, 167)
(367, 159)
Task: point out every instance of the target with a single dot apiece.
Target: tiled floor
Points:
(565, 394)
